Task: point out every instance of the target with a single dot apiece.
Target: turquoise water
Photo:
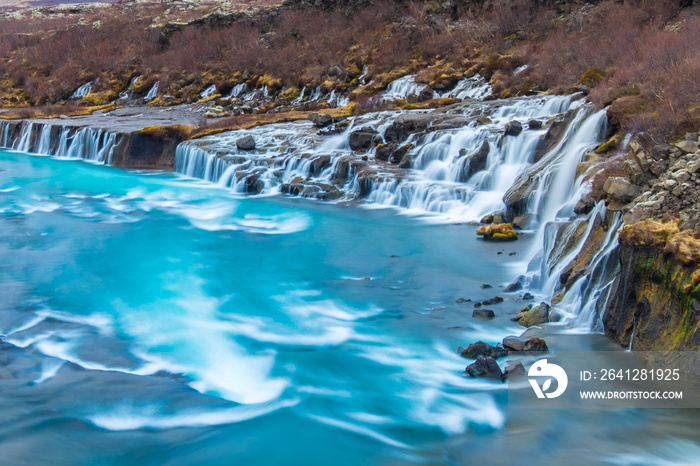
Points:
(151, 319)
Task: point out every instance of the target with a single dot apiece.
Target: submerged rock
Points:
(515, 343)
(498, 232)
(494, 300)
(513, 128)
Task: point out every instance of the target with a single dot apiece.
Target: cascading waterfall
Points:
(95, 145)
(208, 92)
(153, 92)
(82, 91)
(238, 89)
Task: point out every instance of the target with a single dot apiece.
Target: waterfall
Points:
(95, 145)
(126, 94)
(153, 92)
(335, 100)
(238, 89)
(208, 92)
(82, 91)
(402, 88)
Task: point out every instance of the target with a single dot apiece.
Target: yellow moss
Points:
(272, 83)
(291, 93)
(162, 133)
(611, 144)
(498, 232)
(592, 77)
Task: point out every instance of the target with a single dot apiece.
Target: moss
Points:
(611, 144)
(592, 76)
(163, 133)
(498, 232)
(291, 93)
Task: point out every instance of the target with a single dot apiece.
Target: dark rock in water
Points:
(365, 158)
(246, 143)
(494, 300)
(584, 206)
(486, 367)
(522, 222)
(477, 304)
(486, 286)
(477, 161)
(487, 219)
(462, 300)
(534, 124)
(385, 151)
(528, 297)
(319, 164)
(407, 124)
(517, 285)
(531, 317)
(512, 253)
(514, 371)
(483, 314)
(401, 156)
(513, 128)
(425, 94)
(483, 120)
(480, 348)
(499, 219)
(364, 138)
(320, 120)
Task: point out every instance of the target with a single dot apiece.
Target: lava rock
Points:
(364, 138)
(480, 348)
(246, 143)
(513, 128)
(483, 314)
(494, 300)
(485, 367)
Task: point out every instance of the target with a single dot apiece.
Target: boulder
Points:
(483, 120)
(335, 71)
(584, 205)
(498, 232)
(514, 370)
(364, 138)
(529, 317)
(660, 151)
(385, 151)
(516, 285)
(528, 297)
(621, 190)
(407, 124)
(513, 128)
(515, 343)
(246, 143)
(486, 219)
(522, 222)
(687, 147)
(480, 348)
(476, 161)
(483, 314)
(494, 300)
(485, 367)
(425, 94)
(534, 124)
(401, 156)
(320, 120)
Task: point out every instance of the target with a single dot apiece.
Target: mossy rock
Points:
(611, 144)
(498, 232)
(592, 76)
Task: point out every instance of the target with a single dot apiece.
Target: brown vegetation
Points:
(640, 57)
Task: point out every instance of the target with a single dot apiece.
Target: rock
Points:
(320, 120)
(384, 151)
(513, 128)
(499, 218)
(319, 164)
(620, 189)
(494, 300)
(477, 304)
(534, 124)
(514, 371)
(528, 297)
(486, 219)
(364, 138)
(485, 367)
(483, 120)
(687, 147)
(584, 206)
(167, 98)
(538, 315)
(634, 170)
(660, 151)
(500, 232)
(480, 348)
(483, 314)
(536, 345)
(401, 156)
(407, 124)
(476, 162)
(681, 176)
(522, 222)
(215, 112)
(486, 286)
(462, 300)
(516, 285)
(515, 343)
(335, 71)
(246, 143)
(425, 94)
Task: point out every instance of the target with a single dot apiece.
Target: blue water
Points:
(151, 319)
